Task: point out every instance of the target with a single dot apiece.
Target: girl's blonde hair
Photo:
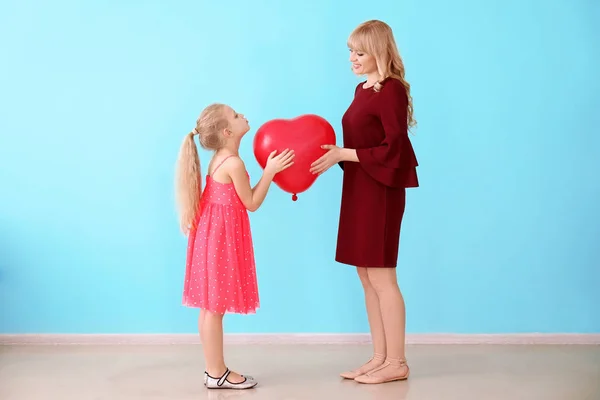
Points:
(377, 39)
(188, 179)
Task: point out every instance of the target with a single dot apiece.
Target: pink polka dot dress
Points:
(220, 274)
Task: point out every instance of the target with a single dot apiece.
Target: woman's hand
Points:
(280, 162)
(332, 157)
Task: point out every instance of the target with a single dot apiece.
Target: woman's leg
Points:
(391, 303)
(376, 325)
(212, 344)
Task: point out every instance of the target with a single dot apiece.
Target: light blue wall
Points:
(95, 98)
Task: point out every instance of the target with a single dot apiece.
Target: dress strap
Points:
(221, 163)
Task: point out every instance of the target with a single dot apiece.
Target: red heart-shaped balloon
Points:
(305, 135)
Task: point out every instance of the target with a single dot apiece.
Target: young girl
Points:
(220, 274)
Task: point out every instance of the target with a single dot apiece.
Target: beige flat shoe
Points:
(370, 379)
(353, 374)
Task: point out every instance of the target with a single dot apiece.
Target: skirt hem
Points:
(363, 265)
(228, 310)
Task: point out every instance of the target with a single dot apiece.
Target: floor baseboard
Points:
(292, 338)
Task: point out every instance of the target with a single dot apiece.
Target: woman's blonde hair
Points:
(377, 39)
(188, 179)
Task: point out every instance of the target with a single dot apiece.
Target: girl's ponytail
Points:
(188, 182)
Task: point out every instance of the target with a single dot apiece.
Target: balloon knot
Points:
(294, 197)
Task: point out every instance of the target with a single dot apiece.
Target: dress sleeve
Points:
(383, 160)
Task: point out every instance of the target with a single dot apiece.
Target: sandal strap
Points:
(398, 362)
(382, 366)
(376, 357)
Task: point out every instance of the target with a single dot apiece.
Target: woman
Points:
(379, 164)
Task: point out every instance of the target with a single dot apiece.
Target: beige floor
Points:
(299, 372)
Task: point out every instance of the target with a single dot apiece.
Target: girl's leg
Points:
(376, 325)
(212, 344)
(200, 323)
(391, 304)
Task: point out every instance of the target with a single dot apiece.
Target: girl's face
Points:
(238, 124)
(362, 63)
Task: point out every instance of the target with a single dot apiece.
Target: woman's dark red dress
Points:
(373, 194)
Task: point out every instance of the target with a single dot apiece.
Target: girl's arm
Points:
(252, 198)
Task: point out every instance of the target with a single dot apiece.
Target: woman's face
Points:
(362, 63)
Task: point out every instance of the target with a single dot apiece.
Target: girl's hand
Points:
(332, 157)
(280, 162)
